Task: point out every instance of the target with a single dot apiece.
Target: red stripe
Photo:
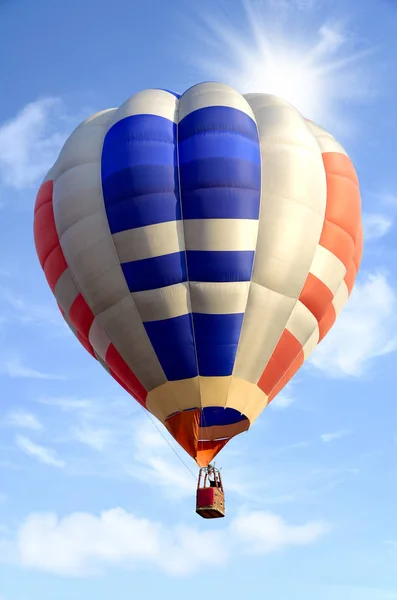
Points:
(124, 373)
(288, 375)
(316, 296)
(326, 322)
(44, 194)
(54, 266)
(287, 349)
(81, 316)
(46, 238)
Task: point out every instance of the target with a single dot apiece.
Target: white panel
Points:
(163, 303)
(98, 339)
(341, 297)
(150, 241)
(293, 196)
(85, 143)
(123, 324)
(325, 140)
(265, 318)
(149, 102)
(66, 291)
(102, 362)
(221, 234)
(328, 268)
(81, 181)
(219, 298)
(91, 256)
(311, 343)
(293, 202)
(301, 323)
(203, 95)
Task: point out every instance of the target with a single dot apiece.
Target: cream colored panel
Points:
(212, 94)
(311, 343)
(66, 291)
(214, 390)
(293, 202)
(150, 241)
(174, 396)
(149, 102)
(77, 194)
(325, 140)
(301, 323)
(293, 196)
(163, 303)
(84, 144)
(102, 363)
(123, 325)
(328, 268)
(265, 318)
(90, 254)
(219, 298)
(341, 297)
(221, 234)
(247, 398)
(98, 339)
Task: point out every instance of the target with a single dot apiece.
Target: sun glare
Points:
(315, 67)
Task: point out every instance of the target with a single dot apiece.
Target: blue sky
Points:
(93, 502)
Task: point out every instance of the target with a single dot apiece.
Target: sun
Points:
(314, 66)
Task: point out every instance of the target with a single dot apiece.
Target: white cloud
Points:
(43, 454)
(336, 435)
(30, 142)
(23, 420)
(84, 544)
(264, 532)
(271, 54)
(282, 400)
(130, 444)
(155, 463)
(14, 368)
(365, 329)
(98, 439)
(376, 225)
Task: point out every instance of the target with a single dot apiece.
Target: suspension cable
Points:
(147, 413)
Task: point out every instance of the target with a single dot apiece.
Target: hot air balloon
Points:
(199, 247)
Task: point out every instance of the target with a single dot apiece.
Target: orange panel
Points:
(316, 296)
(288, 375)
(285, 352)
(343, 193)
(326, 322)
(184, 427)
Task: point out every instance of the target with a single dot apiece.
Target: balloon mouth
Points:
(194, 438)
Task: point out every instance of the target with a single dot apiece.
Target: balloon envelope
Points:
(200, 247)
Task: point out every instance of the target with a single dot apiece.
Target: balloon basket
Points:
(210, 498)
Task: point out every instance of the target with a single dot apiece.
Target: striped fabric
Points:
(199, 247)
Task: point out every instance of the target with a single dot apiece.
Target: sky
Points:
(94, 501)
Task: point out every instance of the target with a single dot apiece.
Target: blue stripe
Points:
(172, 340)
(220, 173)
(154, 273)
(221, 144)
(211, 416)
(139, 153)
(139, 211)
(139, 172)
(217, 118)
(221, 203)
(217, 338)
(206, 265)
